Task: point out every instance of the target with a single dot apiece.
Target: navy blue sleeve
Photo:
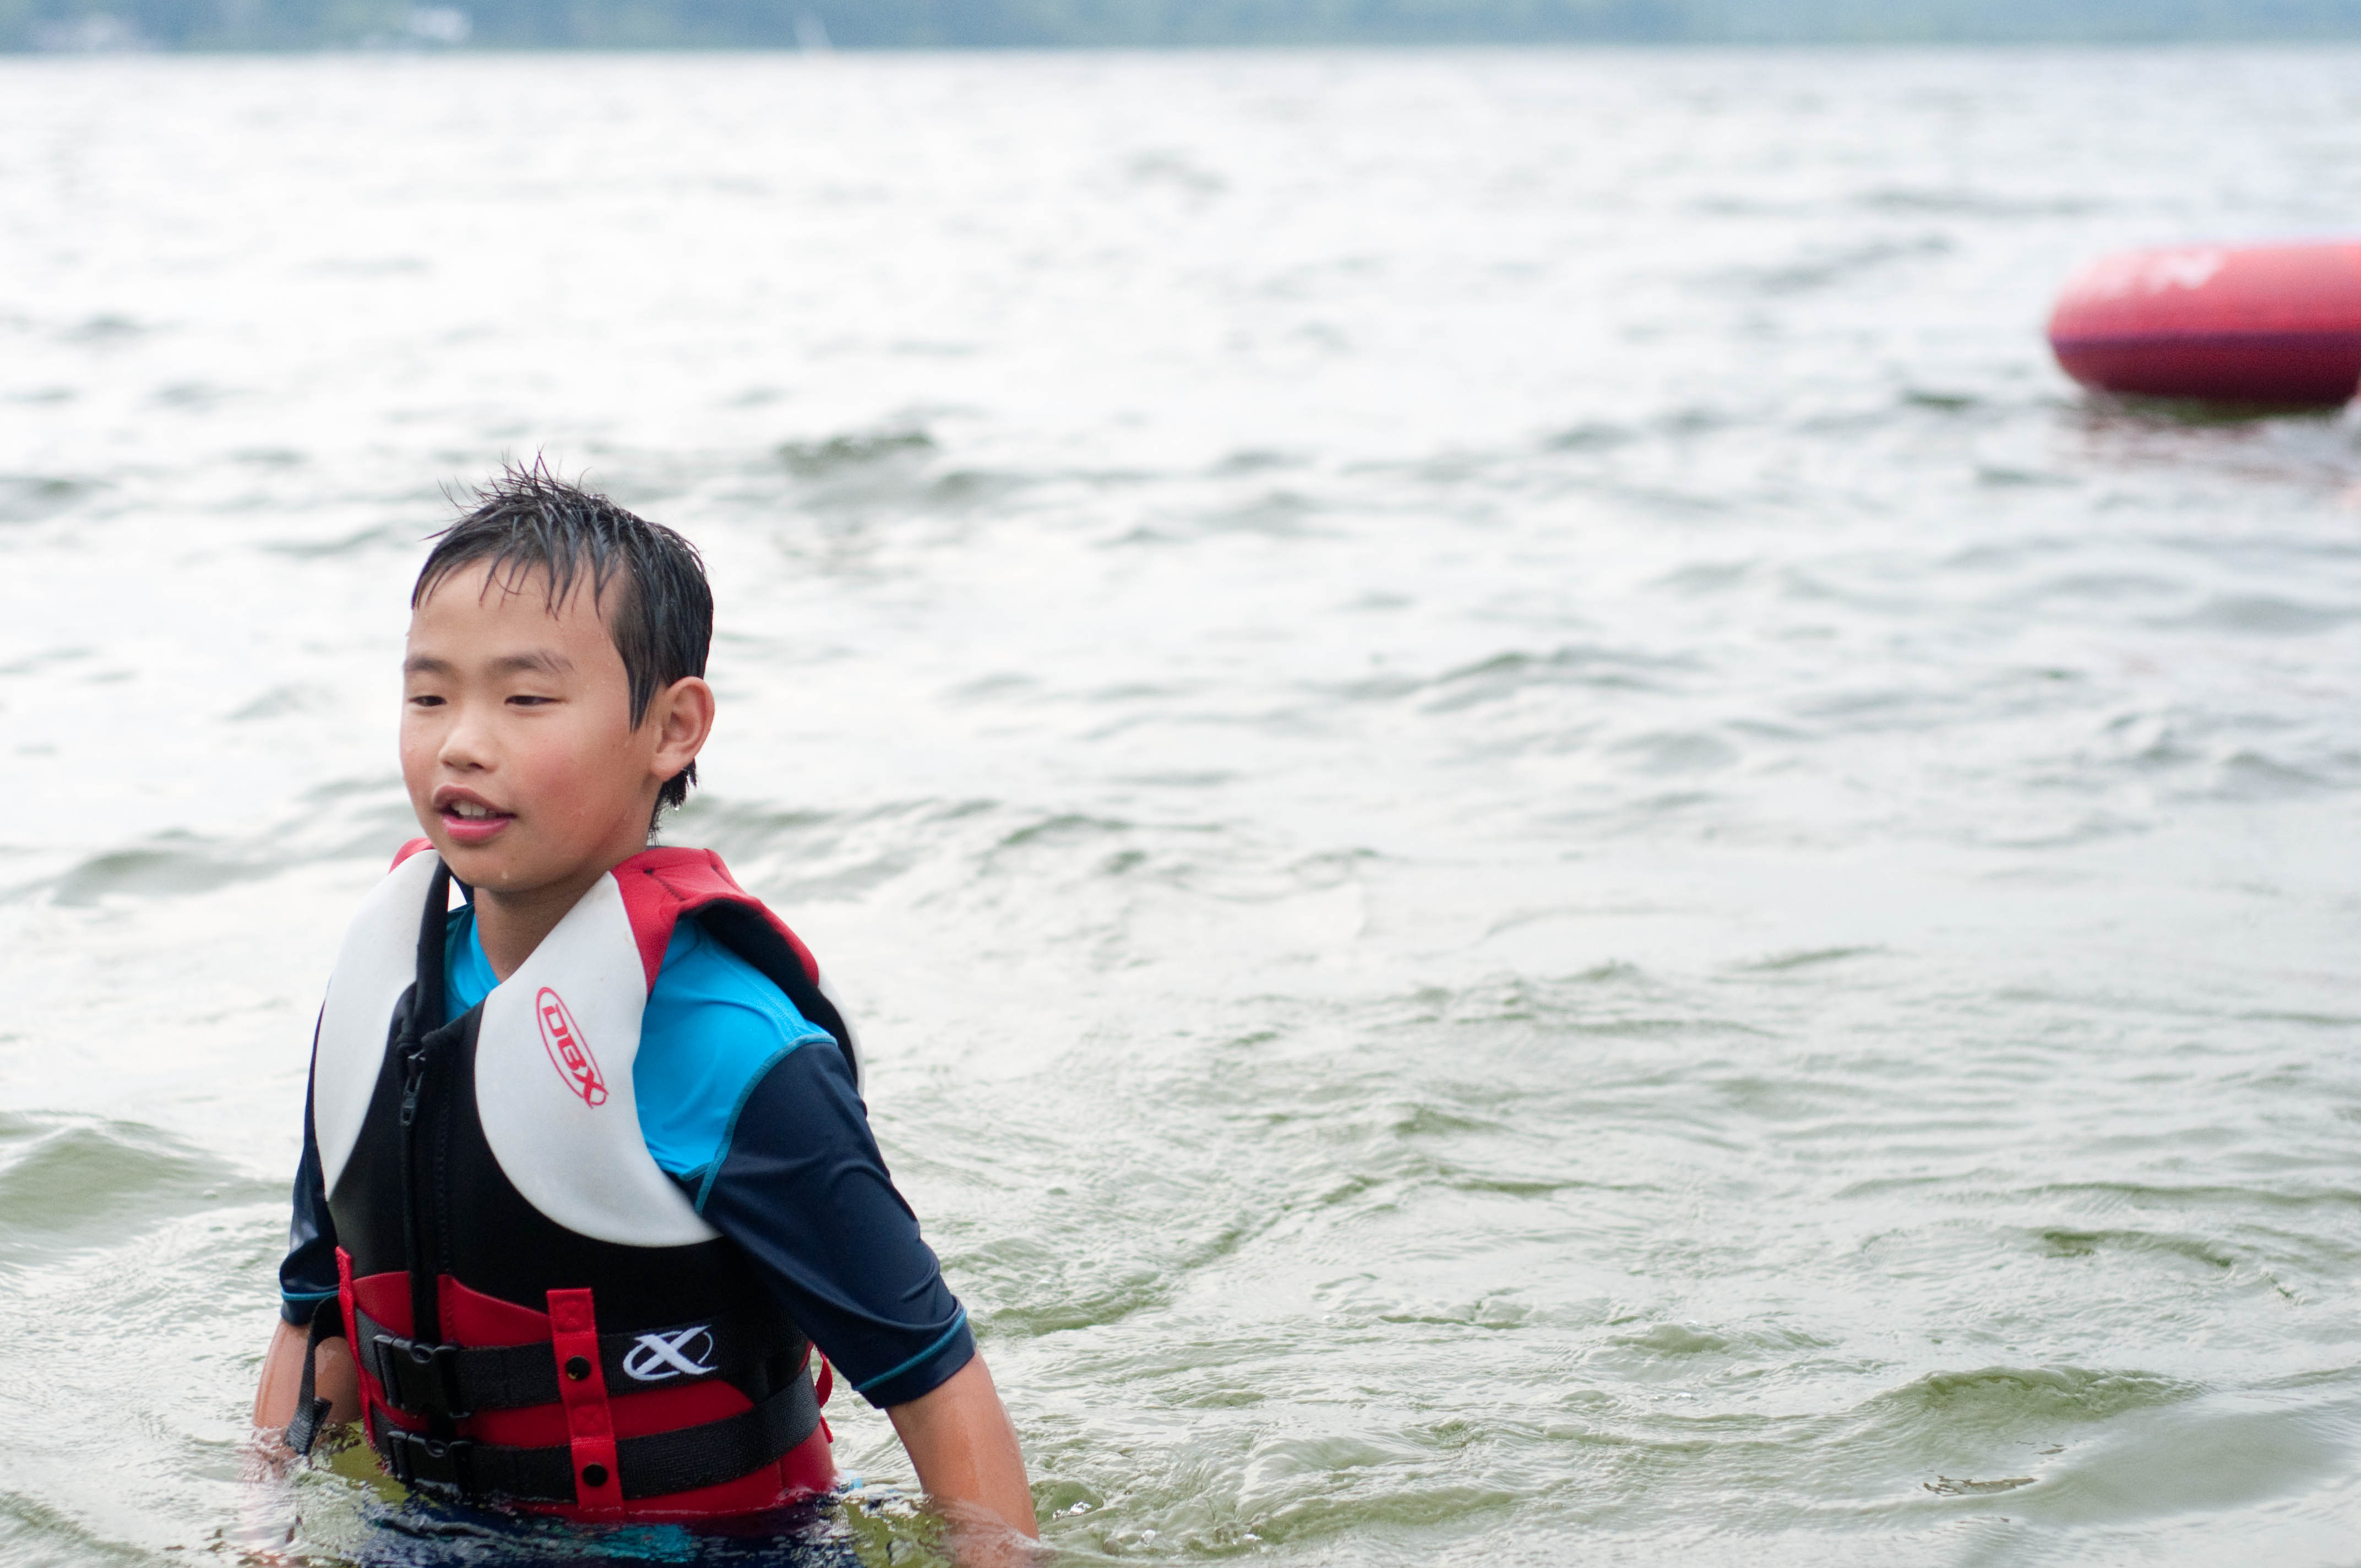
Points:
(800, 1186)
(307, 1277)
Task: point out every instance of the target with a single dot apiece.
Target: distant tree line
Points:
(1005, 24)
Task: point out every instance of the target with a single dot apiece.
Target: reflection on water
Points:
(1544, 853)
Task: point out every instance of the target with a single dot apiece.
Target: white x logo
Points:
(661, 1356)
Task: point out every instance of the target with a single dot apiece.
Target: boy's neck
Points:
(512, 924)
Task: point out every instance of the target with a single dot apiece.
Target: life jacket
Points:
(538, 1314)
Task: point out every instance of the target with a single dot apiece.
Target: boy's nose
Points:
(466, 745)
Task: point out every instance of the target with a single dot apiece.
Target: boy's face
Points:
(517, 742)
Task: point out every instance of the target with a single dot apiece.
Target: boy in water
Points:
(586, 1172)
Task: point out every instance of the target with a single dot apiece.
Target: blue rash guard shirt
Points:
(752, 1110)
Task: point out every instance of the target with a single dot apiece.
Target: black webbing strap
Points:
(653, 1466)
(457, 1381)
(310, 1411)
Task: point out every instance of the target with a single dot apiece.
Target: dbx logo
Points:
(563, 1040)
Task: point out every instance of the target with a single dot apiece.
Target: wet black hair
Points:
(526, 519)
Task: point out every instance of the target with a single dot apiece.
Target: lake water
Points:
(1546, 857)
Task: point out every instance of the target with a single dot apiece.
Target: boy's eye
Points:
(425, 699)
(524, 699)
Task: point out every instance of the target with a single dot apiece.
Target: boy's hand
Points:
(282, 1377)
(960, 1442)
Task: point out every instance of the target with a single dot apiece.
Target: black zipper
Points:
(421, 1041)
(416, 1240)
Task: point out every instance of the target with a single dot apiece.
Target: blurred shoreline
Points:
(283, 25)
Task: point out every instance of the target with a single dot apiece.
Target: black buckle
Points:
(419, 1379)
(416, 1460)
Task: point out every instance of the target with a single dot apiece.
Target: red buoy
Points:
(2274, 324)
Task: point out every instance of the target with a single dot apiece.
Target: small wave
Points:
(2136, 1195)
(1303, 1487)
(347, 542)
(1592, 435)
(2056, 1242)
(836, 455)
(2015, 476)
(2106, 587)
(854, 477)
(1065, 828)
(2266, 615)
(1812, 274)
(33, 497)
(1276, 514)
(1945, 1412)
(342, 819)
(2192, 1456)
(107, 328)
(1504, 674)
(197, 397)
(1972, 203)
(1687, 1342)
(71, 1182)
(1810, 957)
(2248, 775)
(800, 856)
(1945, 1487)
(283, 701)
(1174, 171)
(1940, 402)
(175, 863)
(1256, 460)
(1676, 752)
(1672, 1339)
(1046, 1285)
(32, 1532)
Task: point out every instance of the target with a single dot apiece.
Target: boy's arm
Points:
(964, 1449)
(307, 1283)
(283, 1380)
(798, 1183)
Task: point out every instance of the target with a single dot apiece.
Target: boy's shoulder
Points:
(702, 978)
(714, 1029)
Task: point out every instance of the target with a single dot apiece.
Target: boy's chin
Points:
(513, 868)
(478, 865)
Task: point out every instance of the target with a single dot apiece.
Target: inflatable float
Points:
(2267, 323)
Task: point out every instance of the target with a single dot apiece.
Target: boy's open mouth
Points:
(469, 820)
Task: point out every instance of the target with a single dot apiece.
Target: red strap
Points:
(366, 1384)
(827, 1386)
(589, 1425)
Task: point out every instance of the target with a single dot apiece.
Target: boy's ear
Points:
(683, 715)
